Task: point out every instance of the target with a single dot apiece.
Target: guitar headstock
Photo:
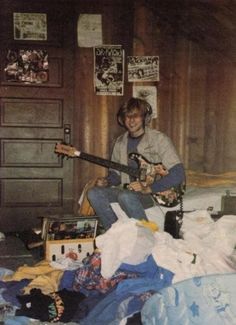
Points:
(65, 150)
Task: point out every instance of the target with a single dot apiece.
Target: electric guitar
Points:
(146, 172)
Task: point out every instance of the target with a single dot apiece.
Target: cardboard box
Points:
(69, 237)
(76, 249)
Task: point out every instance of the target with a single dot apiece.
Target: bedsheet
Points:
(202, 198)
(201, 300)
(195, 198)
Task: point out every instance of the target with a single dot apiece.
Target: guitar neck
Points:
(135, 172)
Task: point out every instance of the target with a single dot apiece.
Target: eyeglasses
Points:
(133, 116)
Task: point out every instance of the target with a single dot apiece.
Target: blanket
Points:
(202, 300)
(42, 276)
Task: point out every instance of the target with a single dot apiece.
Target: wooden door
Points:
(36, 112)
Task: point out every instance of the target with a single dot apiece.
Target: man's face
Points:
(134, 123)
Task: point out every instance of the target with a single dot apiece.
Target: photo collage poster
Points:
(27, 66)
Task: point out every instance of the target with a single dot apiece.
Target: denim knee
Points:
(94, 193)
(126, 197)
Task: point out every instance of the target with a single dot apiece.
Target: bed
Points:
(158, 279)
(204, 191)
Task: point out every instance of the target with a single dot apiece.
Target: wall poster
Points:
(109, 70)
(143, 68)
(27, 66)
(89, 30)
(30, 26)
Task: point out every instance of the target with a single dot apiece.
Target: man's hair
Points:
(132, 104)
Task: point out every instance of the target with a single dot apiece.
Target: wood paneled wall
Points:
(95, 116)
(196, 92)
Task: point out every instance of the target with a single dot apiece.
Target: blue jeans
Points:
(133, 203)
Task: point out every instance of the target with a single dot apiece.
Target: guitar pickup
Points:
(143, 174)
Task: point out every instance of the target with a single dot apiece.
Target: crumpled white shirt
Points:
(206, 247)
(124, 242)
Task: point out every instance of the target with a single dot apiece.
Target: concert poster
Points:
(143, 68)
(30, 26)
(109, 70)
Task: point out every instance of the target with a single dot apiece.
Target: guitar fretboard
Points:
(135, 172)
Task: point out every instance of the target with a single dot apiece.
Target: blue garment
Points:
(175, 177)
(151, 277)
(67, 280)
(17, 320)
(130, 294)
(114, 178)
(13, 288)
(148, 269)
(4, 271)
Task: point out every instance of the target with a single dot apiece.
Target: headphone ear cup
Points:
(120, 121)
(148, 109)
(148, 119)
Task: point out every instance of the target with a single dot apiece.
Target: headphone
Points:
(131, 104)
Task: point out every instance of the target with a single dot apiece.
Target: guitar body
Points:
(146, 172)
(149, 171)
